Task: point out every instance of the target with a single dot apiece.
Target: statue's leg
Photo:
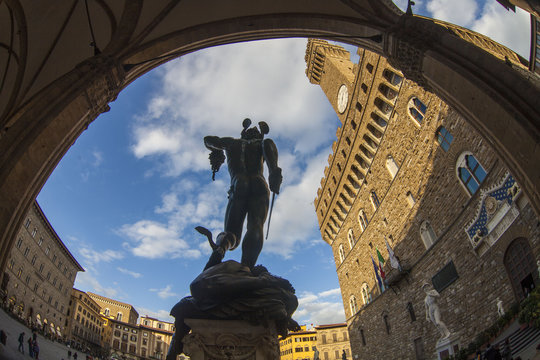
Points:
(253, 240)
(235, 214)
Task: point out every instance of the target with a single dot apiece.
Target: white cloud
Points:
(134, 274)
(156, 314)
(491, 19)
(151, 141)
(213, 90)
(165, 292)
(93, 257)
(294, 221)
(312, 309)
(460, 12)
(88, 282)
(98, 158)
(513, 30)
(152, 239)
(331, 292)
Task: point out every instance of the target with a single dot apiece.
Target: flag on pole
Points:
(375, 268)
(381, 259)
(393, 259)
(381, 263)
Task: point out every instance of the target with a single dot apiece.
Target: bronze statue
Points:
(240, 291)
(248, 194)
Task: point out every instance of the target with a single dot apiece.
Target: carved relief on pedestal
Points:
(227, 340)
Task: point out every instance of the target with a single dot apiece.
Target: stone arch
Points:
(521, 267)
(53, 98)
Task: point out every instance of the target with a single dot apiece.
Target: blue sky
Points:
(127, 195)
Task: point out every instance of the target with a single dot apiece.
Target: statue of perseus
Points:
(240, 291)
(248, 194)
(433, 313)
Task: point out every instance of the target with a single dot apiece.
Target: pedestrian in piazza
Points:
(69, 354)
(21, 342)
(36, 350)
(30, 347)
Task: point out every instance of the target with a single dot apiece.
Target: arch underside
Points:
(54, 84)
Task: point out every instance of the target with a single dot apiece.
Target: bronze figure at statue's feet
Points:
(231, 290)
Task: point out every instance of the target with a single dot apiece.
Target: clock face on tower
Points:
(342, 98)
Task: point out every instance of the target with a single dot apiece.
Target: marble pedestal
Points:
(230, 340)
(447, 347)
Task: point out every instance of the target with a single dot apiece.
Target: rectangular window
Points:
(40, 241)
(41, 268)
(34, 232)
(34, 260)
(47, 250)
(11, 264)
(445, 277)
(26, 251)
(19, 243)
(27, 223)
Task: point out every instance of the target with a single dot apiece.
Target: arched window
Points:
(374, 200)
(107, 312)
(470, 172)
(353, 305)
(444, 138)
(341, 253)
(391, 166)
(350, 236)
(119, 316)
(366, 294)
(427, 234)
(362, 220)
(417, 109)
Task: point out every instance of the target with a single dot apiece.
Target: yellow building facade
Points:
(299, 345)
(85, 324)
(332, 341)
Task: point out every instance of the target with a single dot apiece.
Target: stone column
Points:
(230, 340)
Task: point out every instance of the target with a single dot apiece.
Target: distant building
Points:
(156, 343)
(39, 276)
(148, 340)
(117, 310)
(85, 324)
(332, 340)
(125, 340)
(299, 345)
(408, 175)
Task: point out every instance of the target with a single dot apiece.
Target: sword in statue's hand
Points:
(270, 214)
